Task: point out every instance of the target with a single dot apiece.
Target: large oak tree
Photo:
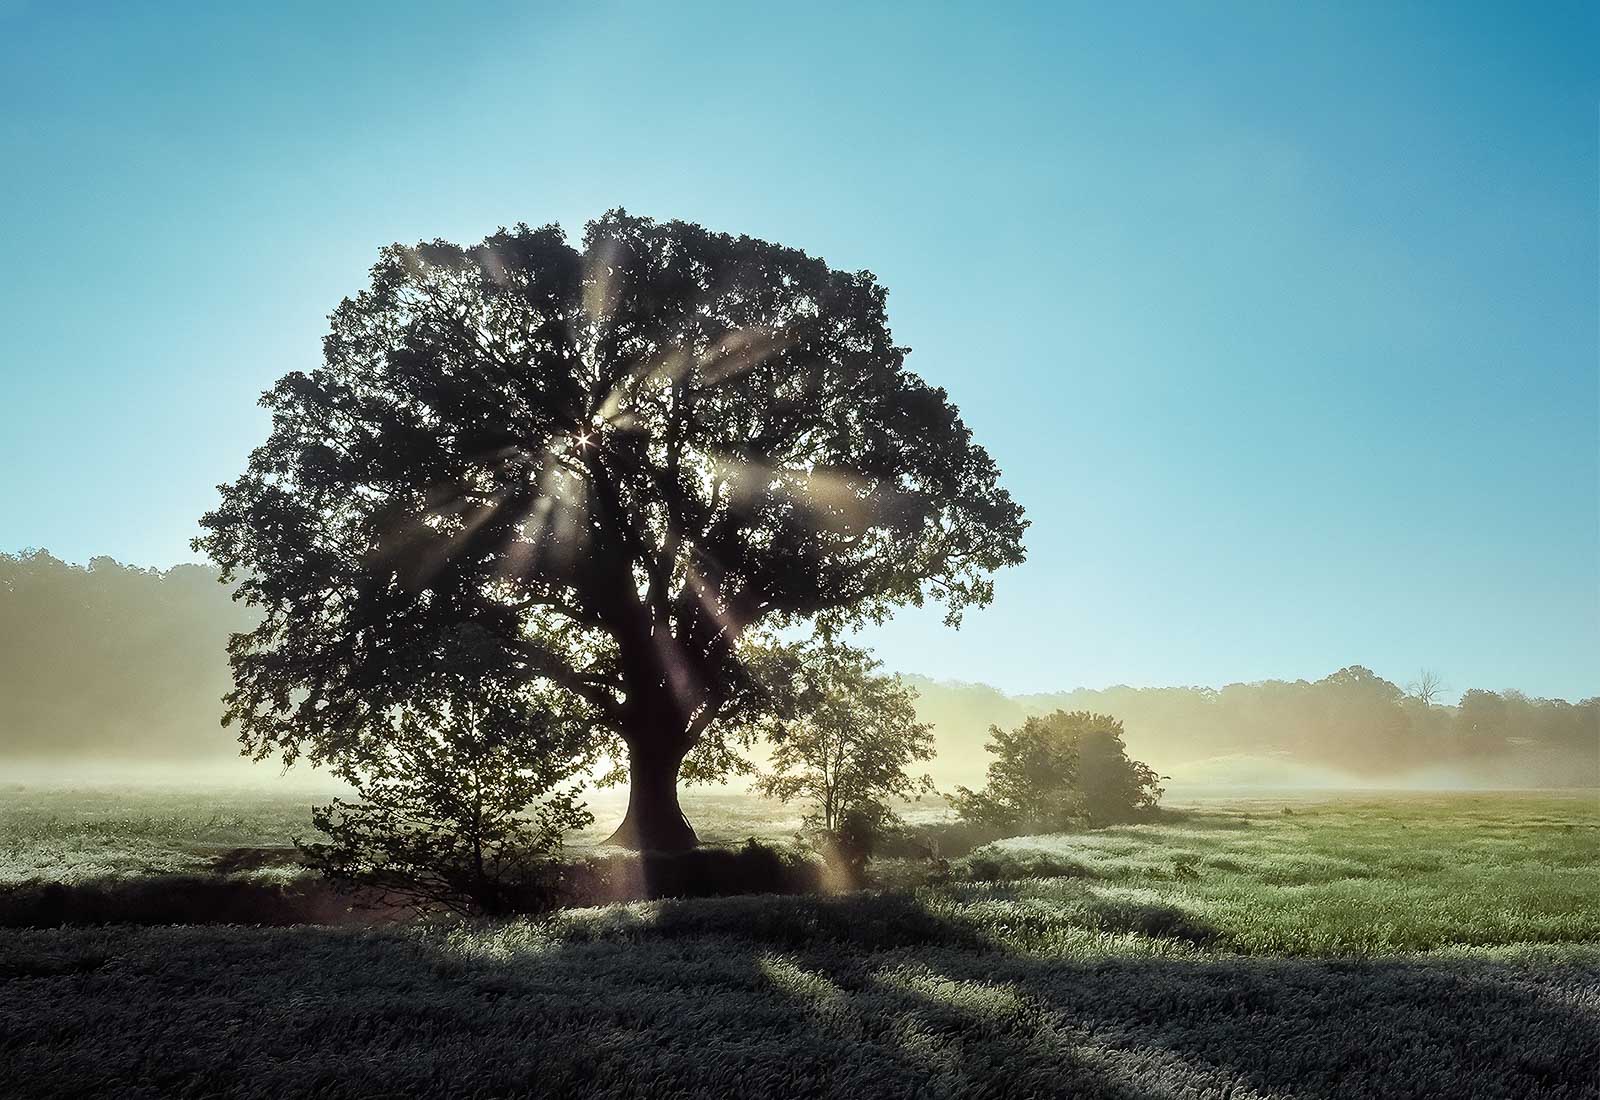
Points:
(626, 463)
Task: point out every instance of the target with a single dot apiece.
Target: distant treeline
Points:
(1352, 722)
(113, 662)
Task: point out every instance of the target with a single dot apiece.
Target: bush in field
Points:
(847, 750)
(860, 833)
(1059, 771)
(1114, 787)
(461, 800)
(1033, 780)
(939, 839)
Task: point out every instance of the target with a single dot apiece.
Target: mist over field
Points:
(112, 673)
(1348, 730)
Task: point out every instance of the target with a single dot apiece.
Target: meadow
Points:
(1341, 945)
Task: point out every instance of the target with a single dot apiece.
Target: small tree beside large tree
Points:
(625, 464)
(847, 749)
(465, 798)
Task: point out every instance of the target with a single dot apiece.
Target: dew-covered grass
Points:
(76, 834)
(67, 834)
(1363, 947)
(1335, 877)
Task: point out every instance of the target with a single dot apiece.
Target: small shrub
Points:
(847, 847)
(846, 751)
(463, 800)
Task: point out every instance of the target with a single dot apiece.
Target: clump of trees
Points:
(628, 463)
(847, 750)
(1059, 771)
(464, 795)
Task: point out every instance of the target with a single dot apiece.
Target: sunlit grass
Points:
(1372, 878)
(73, 835)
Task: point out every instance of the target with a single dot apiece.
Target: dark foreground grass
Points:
(870, 996)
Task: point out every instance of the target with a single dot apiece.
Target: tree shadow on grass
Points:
(867, 995)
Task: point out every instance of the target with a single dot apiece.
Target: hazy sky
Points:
(1280, 320)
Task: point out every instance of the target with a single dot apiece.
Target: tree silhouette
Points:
(1426, 688)
(627, 464)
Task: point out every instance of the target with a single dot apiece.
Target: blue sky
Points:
(1280, 319)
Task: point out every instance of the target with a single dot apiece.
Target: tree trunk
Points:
(653, 823)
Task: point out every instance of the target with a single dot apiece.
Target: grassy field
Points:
(72, 834)
(1346, 946)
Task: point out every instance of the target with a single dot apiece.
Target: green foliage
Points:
(1032, 780)
(621, 462)
(849, 743)
(845, 752)
(1114, 788)
(1058, 771)
(939, 839)
(849, 846)
(461, 799)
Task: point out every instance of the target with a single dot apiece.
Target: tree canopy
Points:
(625, 463)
